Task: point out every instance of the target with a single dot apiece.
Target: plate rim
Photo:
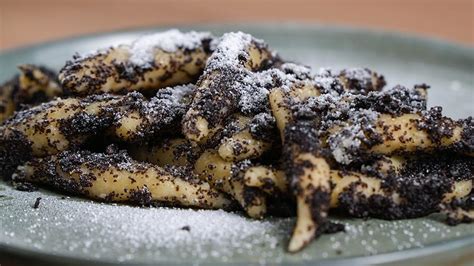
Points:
(341, 28)
(438, 248)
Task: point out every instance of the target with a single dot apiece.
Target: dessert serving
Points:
(192, 120)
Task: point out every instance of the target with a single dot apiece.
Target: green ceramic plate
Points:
(77, 231)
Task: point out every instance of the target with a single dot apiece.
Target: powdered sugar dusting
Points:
(116, 233)
(349, 139)
(257, 85)
(355, 115)
(169, 103)
(142, 50)
(252, 88)
(360, 74)
(230, 50)
(300, 71)
(94, 229)
(327, 82)
(174, 97)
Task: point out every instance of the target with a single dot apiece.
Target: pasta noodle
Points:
(118, 178)
(227, 177)
(34, 84)
(151, 62)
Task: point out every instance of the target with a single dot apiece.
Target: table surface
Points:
(26, 22)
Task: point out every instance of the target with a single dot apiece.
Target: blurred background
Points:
(26, 22)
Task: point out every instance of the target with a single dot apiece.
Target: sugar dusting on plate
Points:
(116, 233)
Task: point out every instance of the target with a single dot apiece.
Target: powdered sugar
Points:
(300, 71)
(78, 228)
(262, 123)
(256, 86)
(169, 104)
(253, 92)
(174, 97)
(231, 48)
(362, 75)
(354, 115)
(327, 82)
(142, 50)
(345, 143)
(98, 229)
